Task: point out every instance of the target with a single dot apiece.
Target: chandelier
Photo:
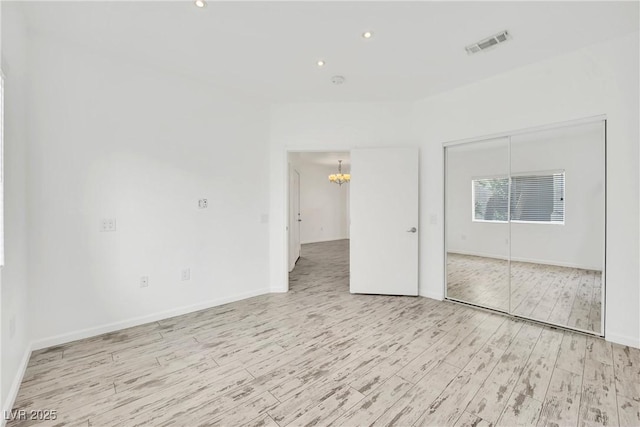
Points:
(340, 178)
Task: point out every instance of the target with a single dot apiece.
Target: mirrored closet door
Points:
(525, 224)
(477, 188)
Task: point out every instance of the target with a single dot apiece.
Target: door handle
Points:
(412, 230)
(299, 220)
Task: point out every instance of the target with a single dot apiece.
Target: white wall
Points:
(323, 205)
(114, 139)
(601, 79)
(579, 242)
(16, 306)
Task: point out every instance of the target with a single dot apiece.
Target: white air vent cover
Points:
(488, 43)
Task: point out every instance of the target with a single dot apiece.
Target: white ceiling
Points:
(269, 49)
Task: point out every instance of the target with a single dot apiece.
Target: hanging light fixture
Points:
(340, 178)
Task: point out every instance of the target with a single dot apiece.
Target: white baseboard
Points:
(137, 321)
(478, 254)
(622, 340)
(529, 260)
(439, 296)
(557, 264)
(333, 239)
(15, 385)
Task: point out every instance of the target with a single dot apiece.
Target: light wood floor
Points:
(318, 356)
(564, 296)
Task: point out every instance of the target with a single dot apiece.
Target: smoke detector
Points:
(488, 43)
(337, 80)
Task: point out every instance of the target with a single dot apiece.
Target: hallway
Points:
(322, 267)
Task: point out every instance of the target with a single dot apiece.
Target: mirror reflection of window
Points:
(534, 198)
(490, 199)
(538, 198)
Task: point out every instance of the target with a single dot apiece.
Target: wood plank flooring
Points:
(564, 296)
(320, 356)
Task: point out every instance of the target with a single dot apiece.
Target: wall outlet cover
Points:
(107, 224)
(144, 281)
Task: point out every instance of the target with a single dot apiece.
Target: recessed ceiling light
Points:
(367, 34)
(320, 63)
(200, 3)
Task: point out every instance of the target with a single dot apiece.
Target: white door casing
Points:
(294, 217)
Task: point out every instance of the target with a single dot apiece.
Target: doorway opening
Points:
(318, 221)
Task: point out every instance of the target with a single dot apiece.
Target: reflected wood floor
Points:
(321, 356)
(560, 295)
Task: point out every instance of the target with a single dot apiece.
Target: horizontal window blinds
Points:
(530, 198)
(538, 198)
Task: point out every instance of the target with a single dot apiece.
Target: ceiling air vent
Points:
(488, 43)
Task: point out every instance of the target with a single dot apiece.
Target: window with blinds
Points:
(490, 199)
(535, 198)
(538, 198)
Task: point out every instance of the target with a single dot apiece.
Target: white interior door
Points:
(294, 217)
(384, 221)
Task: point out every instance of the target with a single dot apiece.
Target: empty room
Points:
(314, 213)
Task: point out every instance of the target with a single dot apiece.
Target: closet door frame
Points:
(509, 134)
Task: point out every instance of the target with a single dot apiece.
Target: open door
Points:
(384, 221)
(294, 217)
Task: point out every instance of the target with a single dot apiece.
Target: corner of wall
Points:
(16, 347)
(8, 403)
(438, 296)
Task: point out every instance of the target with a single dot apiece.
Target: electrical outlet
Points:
(203, 204)
(12, 326)
(108, 224)
(186, 274)
(144, 281)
